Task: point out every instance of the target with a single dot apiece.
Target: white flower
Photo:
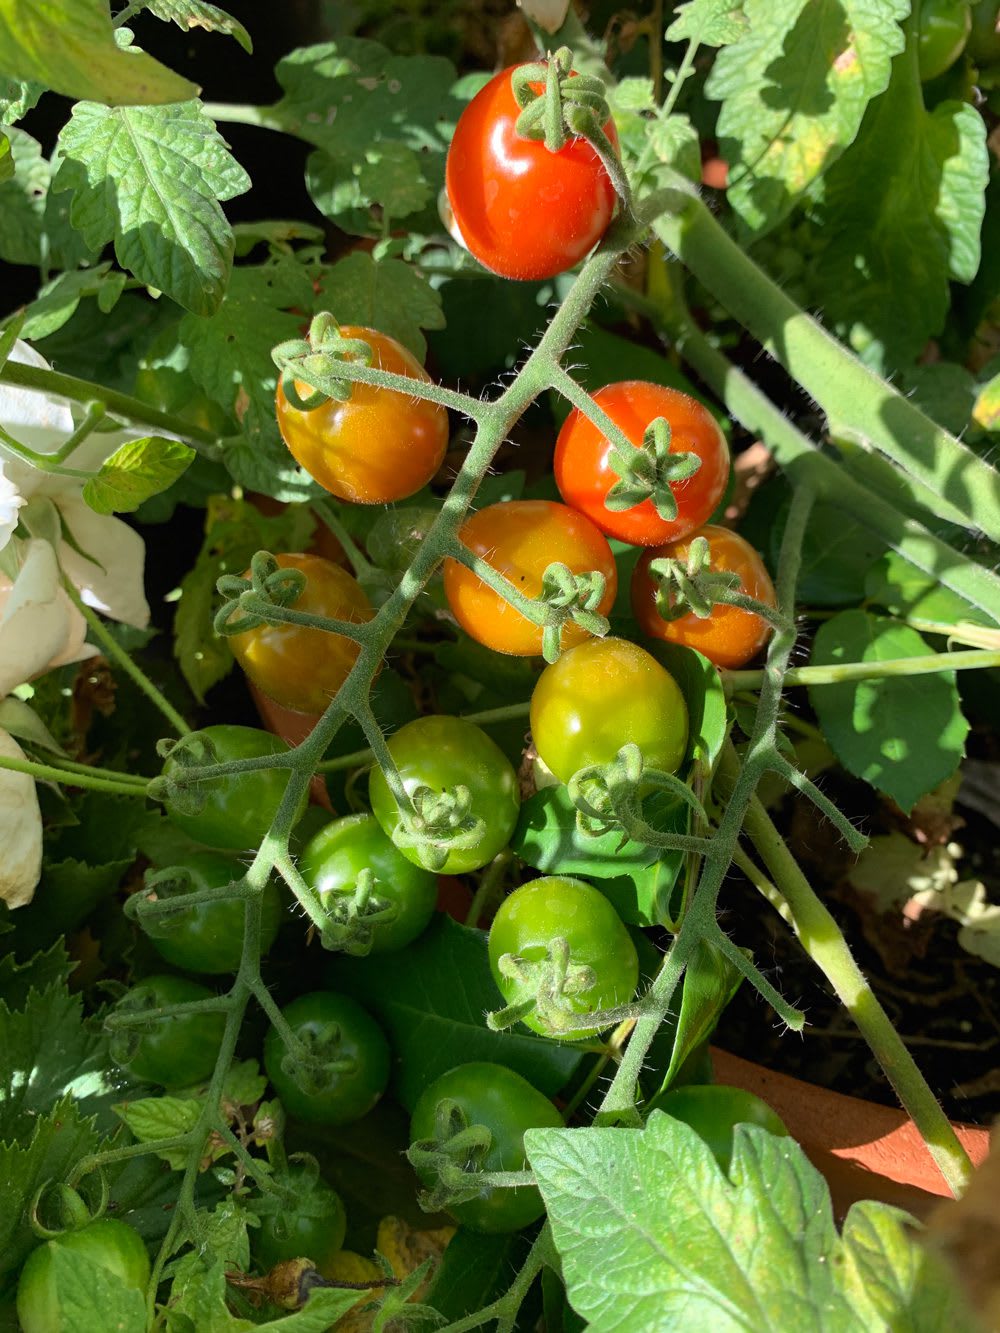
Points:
(40, 628)
(20, 830)
(11, 500)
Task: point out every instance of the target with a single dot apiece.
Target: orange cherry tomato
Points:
(520, 539)
(297, 666)
(378, 445)
(730, 636)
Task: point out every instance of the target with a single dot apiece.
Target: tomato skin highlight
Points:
(714, 1110)
(376, 446)
(507, 1105)
(602, 695)
(730, 637)
(106, 1242)
(175, 1052)
(531, 917)
(351, 1094)
(944, 28)
(314, 1228)
(297, 666)
(584, 475)
(520, 539)
(522, 211)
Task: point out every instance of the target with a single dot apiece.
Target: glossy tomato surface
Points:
(346, 1095)
(309, 1224)
(296, 665)
(944, 27)
(176, 1051)
(507, 1104)
(334, 858)
(377, 445)
(531, 917)
(47, 1303)
(520, 539)
(715, 1110)
(522, 211)
(584, 471)
(730, 636)
(443, 753)
(600, 696)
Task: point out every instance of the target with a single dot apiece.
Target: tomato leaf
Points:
(17, 97)
(903, 734)
(386, 295)
(474, 1270)
(163, 1117)
(708, 22)
(134, 472)
(910, 593)
(34, 222)
(6, 159)
(701, 686)
(151, 179)
(188, 14)
(751, 1251)
(793, 91)
(710, 982)
(92, 1297)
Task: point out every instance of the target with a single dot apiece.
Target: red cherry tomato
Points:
(520, 539)
(584, 472)
(377, 445)
(729, 637)
(523, 211)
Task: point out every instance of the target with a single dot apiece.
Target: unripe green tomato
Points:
(175, 1052)
(313, 1227)
(714, 1110)
(43, 1306)
(984, 39)
(944, 29)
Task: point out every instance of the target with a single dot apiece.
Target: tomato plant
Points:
(530, 918)
(238, 808)
(729, 636)
(715, 1110)
(507, 1104)
(440, 754)
(600, 696)
(334, 859)
(523, 211)
(984, 37)
(586, 468)
(175, 1051)
(49, 1303)
(297, 665)
(308, 1221)
(350, 1050)
(207, 937)
(520, 539)
(944, 29)
(333, 442)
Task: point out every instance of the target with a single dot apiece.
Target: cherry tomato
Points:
(174, 1052)
(239, 808)
(311, 1224)
(729, 637)
(531, 917)
(295, 665)
(507, 1105)
(944, 29)
(520, 539)
(377, 445)
(443, 753)
(715, 1110)
(522, 211)
(208, 937)
(600, 696)
(322, 1018)
(584, 472)
(333, 859)
(48, 1304)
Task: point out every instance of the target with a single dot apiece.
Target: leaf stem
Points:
(49, 773)
(844, 672)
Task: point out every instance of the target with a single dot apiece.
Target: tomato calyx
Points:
(649, 472)
(313, 361)
(315, 1060)
(434, 823)
(193, 751)
(691, 586)
(549, 985)
(168, 895)
(351, 918)
(453, 1160)
(248, 600)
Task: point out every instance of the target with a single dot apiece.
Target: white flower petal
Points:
(38, 420)
(11, 500)
(112, 581)
(20, 830)
(39, 626)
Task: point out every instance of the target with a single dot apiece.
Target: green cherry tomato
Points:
(334, 858)
(984, 39)
(443, 753)
(944, 30)
(715, 1110)
(207, 937)
(239, 809)
(336, 1030)
(175, 1051)
(507, 1105)
(45, 1305)
(311, 1224)
(531, 917)
(598, 697)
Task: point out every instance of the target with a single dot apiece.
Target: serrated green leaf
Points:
(58, 300)
(92, 1298)
(188, 14)
(793, 93)
(34, 225)
(6, 159)
(72, 49)
(152, 1118)
(903, 734)
(387, 295)
(17, 97)
(758, 1250)
(708, 22)
(136, 470)
(675, 142)
(45, 969)
(151, 179)
(391, 177)
(244, 1085)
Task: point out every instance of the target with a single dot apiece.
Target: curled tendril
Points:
(313, 361)
(649, 472)
(247, 599)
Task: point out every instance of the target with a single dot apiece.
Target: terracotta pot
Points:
(866, 1151)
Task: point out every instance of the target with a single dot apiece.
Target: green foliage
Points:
(188, 14)
(135, 472)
